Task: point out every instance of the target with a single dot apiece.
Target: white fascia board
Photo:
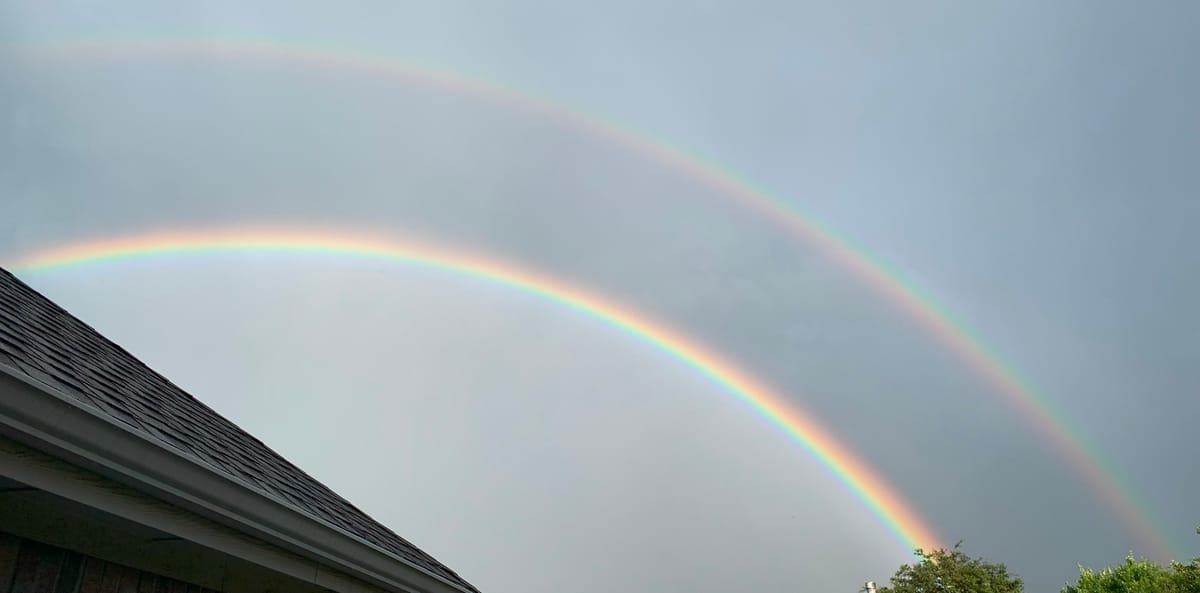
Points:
(41, 417)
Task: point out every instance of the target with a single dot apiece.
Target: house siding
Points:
(27, 566)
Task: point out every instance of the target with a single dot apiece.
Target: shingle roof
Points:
(53, 347)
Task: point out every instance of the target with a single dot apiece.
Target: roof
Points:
(54, 348)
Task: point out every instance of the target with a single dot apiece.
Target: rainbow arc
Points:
(875, 493)
(908, 298)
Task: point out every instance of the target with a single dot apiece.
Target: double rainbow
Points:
(907, 297)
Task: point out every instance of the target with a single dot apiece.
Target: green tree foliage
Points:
(1134, 576)
(1139, 576)
(1187, 576)
(952, 571)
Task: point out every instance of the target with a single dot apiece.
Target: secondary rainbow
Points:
(905, 295)
(880, 497)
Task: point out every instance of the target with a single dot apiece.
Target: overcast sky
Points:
(1032, 165)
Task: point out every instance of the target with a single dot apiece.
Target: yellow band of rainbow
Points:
(878, 496)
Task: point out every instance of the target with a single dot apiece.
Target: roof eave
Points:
(44, 418)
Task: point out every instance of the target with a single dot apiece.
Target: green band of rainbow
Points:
(906, 296)
(878, 496)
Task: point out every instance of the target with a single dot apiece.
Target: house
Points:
(114, 480)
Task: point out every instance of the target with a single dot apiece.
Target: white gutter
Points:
(42, 417)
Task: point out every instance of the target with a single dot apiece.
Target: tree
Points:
(1186, 577)
(952, 571)
(1133, 576)
(1139, 576)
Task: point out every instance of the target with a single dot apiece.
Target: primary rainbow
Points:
(906, 296)
(878, 496)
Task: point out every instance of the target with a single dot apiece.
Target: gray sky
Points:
(1031, 165)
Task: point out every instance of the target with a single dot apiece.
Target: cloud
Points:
(997, 159)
